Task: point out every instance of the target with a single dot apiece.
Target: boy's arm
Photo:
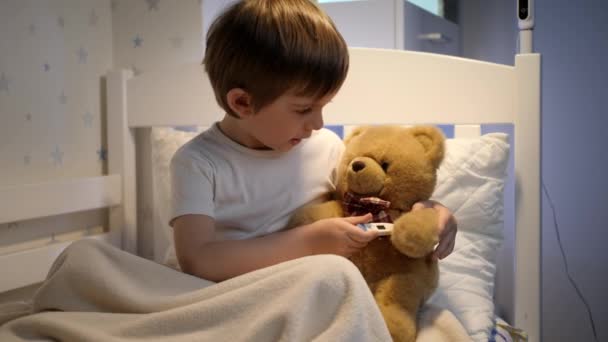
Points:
(199, 255)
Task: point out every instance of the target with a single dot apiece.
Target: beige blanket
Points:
(95, 292)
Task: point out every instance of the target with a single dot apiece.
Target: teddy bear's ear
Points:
(355, 132)
(432, 140)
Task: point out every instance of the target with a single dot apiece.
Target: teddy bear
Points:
(385, 170)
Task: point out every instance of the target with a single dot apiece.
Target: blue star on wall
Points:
(57, 156)
(102, 154)
(61, 22)
(46, 67)
(4, 82)
(28, 117)
(26, 160)
(82, 55)
(32, 29)
(152, 4)
(87, 118)
(137, 41)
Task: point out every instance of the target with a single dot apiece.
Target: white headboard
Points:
(383, 86)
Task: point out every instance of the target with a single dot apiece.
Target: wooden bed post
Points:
(527, 193)
(121, 159)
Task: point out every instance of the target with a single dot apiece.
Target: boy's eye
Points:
(384, 166)
(304, 111)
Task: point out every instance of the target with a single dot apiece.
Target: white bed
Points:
(382, 87)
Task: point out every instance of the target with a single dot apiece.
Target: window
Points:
(433, 6)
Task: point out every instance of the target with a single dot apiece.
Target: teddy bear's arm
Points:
(415, 233)
(311, 213)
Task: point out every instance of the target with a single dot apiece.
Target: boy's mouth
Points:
(295, 141)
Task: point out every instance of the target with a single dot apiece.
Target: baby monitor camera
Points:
(525, 14)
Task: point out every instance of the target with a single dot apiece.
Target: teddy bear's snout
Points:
(358, 166)
(365, 176)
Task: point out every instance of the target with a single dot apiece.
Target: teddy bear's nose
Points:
(358, 166)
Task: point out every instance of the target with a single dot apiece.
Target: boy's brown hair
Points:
(267, 47)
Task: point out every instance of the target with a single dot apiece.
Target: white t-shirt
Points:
(250, 192)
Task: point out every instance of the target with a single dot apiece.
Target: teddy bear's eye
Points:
(384, 166)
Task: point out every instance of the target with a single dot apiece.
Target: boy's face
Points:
(288, 120)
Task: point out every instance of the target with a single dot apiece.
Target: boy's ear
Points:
(240, 102)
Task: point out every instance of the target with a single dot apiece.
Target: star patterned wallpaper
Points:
(53, 57)
(154, 33)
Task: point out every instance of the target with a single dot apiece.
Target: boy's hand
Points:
(447, 228)
(340, 235)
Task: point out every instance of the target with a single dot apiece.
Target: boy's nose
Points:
(316, 122)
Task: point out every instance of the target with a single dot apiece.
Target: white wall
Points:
(573, 41)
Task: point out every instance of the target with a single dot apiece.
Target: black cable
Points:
(561, 249)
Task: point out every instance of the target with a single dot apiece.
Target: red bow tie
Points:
(355, 205)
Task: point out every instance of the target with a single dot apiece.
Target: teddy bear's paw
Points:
(415, 233)
(413, 245)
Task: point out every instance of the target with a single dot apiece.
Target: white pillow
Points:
(470, 182)
(164, 143)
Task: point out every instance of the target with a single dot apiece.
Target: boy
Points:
(273, 66)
